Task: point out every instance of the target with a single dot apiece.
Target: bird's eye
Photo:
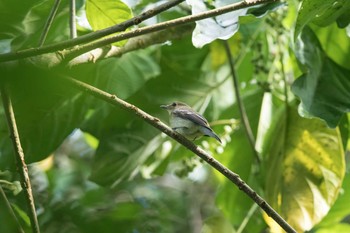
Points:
(173, 104)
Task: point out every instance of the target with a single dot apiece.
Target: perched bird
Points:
(186, 121)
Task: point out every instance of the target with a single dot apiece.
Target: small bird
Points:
(189, 123)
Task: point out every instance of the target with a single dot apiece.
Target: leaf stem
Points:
(242, 111)
(49, 22)
(72, 24)
(155, 122)
(20, 162)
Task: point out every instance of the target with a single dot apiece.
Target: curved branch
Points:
(20, 162)
(89, 37)
(155, 122)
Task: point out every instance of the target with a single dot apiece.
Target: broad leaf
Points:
(324, 86)
(304, 168)
(46, 112)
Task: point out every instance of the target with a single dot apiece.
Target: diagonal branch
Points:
(20, 162)
(89, 37)
(155, 122)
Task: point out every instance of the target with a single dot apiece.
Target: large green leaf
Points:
(46, 112)
(105, 13)
(324, 86)
(304, 168)
(322, 13)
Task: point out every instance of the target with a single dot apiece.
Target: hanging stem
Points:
(49, 22)
(20, 162)
(242, 111)
(72, 25)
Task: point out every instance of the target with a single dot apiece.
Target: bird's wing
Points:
(192, 116)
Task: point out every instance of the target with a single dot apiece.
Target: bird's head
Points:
(171, 107)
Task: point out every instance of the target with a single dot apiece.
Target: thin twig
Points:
(20, 162)
(49, 22)
(76, 51)
(155, 122)
(89, 37)
(10, 210)
(72, 24)
(242, 111)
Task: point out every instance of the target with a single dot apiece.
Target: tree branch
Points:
(76, 51)
(133, 44)
(155, 122)
(89, 37)
(20, 162)
(49, 22)
(242, 111)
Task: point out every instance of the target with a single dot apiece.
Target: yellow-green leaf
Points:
(305, 172)
(105, 13)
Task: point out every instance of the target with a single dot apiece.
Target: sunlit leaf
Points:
(105, 13)
(304, 171)
(339, 211)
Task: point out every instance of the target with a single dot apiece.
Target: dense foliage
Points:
(98, 168)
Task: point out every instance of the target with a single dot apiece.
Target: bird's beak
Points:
(164, 106)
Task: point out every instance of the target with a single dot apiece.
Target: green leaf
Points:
(335, 228)
(324, 86)
(321, 13)
(105, 13)
(304, 170)
(335, 43)
(46, 113)
(127, 74)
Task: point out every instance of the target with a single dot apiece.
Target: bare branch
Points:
(155, 122)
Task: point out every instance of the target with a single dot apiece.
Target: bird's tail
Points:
(210, 133)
